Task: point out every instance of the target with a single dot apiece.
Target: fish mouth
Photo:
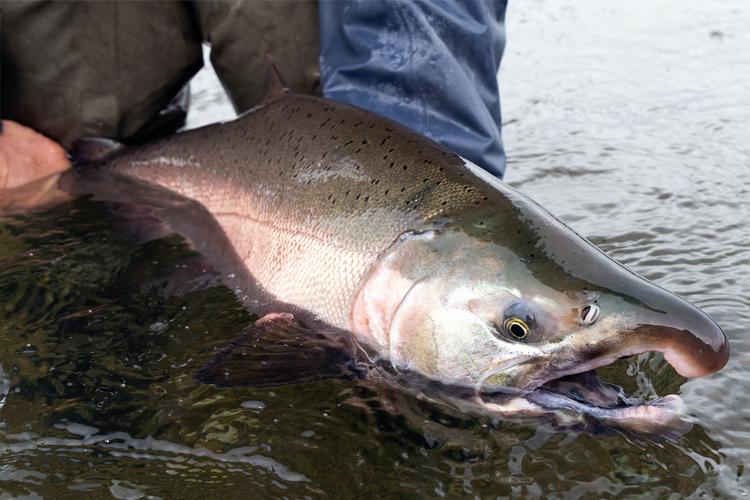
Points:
(590, 366)
(583, 400)
(585, 394)
(560, 381)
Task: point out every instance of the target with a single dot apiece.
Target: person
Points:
(26, 155)
(121, 69)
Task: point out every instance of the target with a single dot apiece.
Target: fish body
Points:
(375, 237)
(307, 210)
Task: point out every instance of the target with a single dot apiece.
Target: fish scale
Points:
(378, 251)
(338, 163)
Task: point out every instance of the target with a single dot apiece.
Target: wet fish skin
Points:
(360, 226)
(554, 274)
(285, 186)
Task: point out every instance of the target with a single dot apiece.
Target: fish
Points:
(371, 252)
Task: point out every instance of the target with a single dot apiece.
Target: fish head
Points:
(508, 303)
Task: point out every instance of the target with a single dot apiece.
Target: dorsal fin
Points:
(276, 86)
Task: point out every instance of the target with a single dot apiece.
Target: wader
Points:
(120, 69)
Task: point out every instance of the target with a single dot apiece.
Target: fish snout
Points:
(689, 339)
(694, 345)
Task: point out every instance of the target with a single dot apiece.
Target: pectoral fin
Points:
(278, 350)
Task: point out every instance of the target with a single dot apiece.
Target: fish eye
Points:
(517, 328)
(589, 314)
(519, 322)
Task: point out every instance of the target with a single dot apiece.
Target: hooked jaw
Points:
(427, 318)
(695, 345)
(694, 351)
(561, 382)
(689, 339)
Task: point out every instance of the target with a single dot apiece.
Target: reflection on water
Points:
(628, 121)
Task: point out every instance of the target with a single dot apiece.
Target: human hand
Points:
(26, 155)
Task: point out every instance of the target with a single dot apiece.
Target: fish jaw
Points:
(430, 305)
(689, 339)
(427, 306)
(666, 417)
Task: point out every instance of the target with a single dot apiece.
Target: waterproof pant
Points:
(430, 65)
(120, 69)
(116, 69)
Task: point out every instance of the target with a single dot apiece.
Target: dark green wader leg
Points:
(113, 69)
(107, 69)
(241, 33)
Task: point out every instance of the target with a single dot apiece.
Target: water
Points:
(627, 120)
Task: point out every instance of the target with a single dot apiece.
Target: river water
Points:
(630, 121)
